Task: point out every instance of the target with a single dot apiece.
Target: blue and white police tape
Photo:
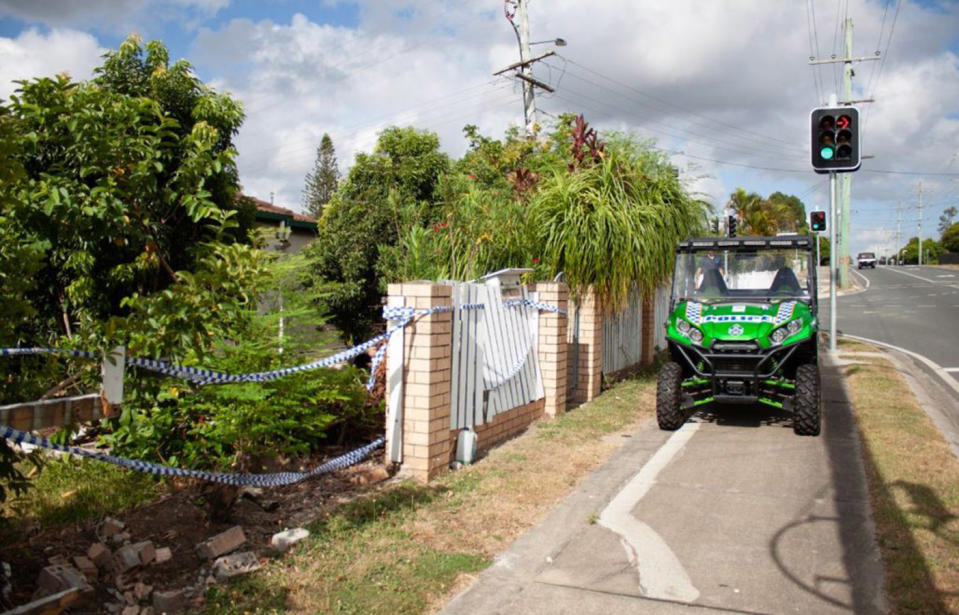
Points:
(276, 479)
(402, 314)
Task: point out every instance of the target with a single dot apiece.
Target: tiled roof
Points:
(274, 209)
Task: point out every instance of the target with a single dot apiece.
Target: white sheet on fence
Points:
(494, 352)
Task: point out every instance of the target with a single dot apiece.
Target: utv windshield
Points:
(742, 276)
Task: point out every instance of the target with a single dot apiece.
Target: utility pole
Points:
(898, 230)
(524, 70)
(920, 223)
(529, 102)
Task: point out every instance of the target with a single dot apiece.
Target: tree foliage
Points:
(950, 238)
(945, 220)
(364, 218)
(780, 213)
(931, 249)
(322, 181)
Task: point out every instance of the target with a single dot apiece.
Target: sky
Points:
(724, 86)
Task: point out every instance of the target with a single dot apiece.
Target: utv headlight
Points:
(794, 326)
(778, 335)
(682, 326)
(696, 335)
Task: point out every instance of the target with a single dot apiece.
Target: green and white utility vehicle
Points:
(742, 329)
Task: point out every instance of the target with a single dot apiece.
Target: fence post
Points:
(648, 328)
(426, 387)
(552, 346)
(590, 348)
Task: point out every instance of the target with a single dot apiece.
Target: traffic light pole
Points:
(833, 262)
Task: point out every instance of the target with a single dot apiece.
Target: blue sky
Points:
(724, 86)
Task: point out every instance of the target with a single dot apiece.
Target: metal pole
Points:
(529, 102)
(920, 224)
(818, 258)
(833, 263)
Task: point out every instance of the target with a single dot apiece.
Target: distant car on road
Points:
(866, 259)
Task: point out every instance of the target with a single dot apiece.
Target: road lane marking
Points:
(661, 575)
(912, 275)
(863, 277)
(950, 369)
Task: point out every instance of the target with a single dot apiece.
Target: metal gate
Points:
(494, 356)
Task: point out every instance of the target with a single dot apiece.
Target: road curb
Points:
(929, 366)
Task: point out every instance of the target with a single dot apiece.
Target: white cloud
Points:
(33, 54)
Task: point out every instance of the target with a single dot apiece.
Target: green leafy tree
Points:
(780, 213)
(931, 249)
(118, 215)
(945, 220)
(363, 219)
(322, 181)
(950, 238)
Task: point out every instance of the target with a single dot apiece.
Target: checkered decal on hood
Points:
(694, 312)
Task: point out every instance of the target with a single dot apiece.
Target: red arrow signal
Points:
(843, 122)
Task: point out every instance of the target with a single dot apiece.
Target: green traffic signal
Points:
(826, 153)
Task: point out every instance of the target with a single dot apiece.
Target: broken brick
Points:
(87, 567)
(99, 554)
(170, 601)
(222, 543)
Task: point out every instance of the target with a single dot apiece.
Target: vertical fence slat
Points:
(394, 382)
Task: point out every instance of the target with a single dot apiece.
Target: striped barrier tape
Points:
(276, 479)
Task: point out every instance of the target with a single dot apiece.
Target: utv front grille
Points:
(748, 347)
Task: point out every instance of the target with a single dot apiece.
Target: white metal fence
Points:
(623, 335)
(494, 356)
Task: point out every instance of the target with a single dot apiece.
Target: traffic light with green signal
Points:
(835, 139)
(731, 226)
(817, 221)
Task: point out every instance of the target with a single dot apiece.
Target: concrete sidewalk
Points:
(732, 513)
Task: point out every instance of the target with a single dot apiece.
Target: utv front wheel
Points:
(807, 405)
(668, 393)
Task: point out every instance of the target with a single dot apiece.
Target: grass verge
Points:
(913, 487)
(74, 490)
(408, 547)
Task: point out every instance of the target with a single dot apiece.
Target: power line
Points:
(672, 105)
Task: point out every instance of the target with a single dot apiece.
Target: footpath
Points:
(732, 513)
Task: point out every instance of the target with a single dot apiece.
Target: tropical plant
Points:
(950, 238)
(614, 224)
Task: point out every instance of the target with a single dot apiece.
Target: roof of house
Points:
(270, 212)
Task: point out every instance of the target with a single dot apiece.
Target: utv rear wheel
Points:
(807, 420)
(668, 394)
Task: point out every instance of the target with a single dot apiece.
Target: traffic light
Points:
(731, 226)
(835, 139)
(817, 220)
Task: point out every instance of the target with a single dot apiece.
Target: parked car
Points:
(866, 259)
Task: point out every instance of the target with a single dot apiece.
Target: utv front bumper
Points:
(736, 372)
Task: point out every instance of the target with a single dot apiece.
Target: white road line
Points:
(935, 367)
(950, 369)
(911, 275)
(862, 276)
(661, 575)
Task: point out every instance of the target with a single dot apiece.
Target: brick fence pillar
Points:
(590, 348)
(426, 380)
(552, 346)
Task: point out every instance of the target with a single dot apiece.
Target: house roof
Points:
(270, 212)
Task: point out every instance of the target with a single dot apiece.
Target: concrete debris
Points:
(163, 555)
(234, 565)
(121, 538)
(170, 601)
(142, 591)
(281, 541)
(87, 567)
(99, 554)
(146, 551)
(111, 527)
(55, 579)
(222, 543)
(131, 610)
(126, 558)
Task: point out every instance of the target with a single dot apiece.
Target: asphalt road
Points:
(733, 513)
(916, 308)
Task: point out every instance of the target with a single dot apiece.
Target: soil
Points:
(180, 519)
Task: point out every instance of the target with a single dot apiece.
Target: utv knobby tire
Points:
(668, 394)
(807, 405)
